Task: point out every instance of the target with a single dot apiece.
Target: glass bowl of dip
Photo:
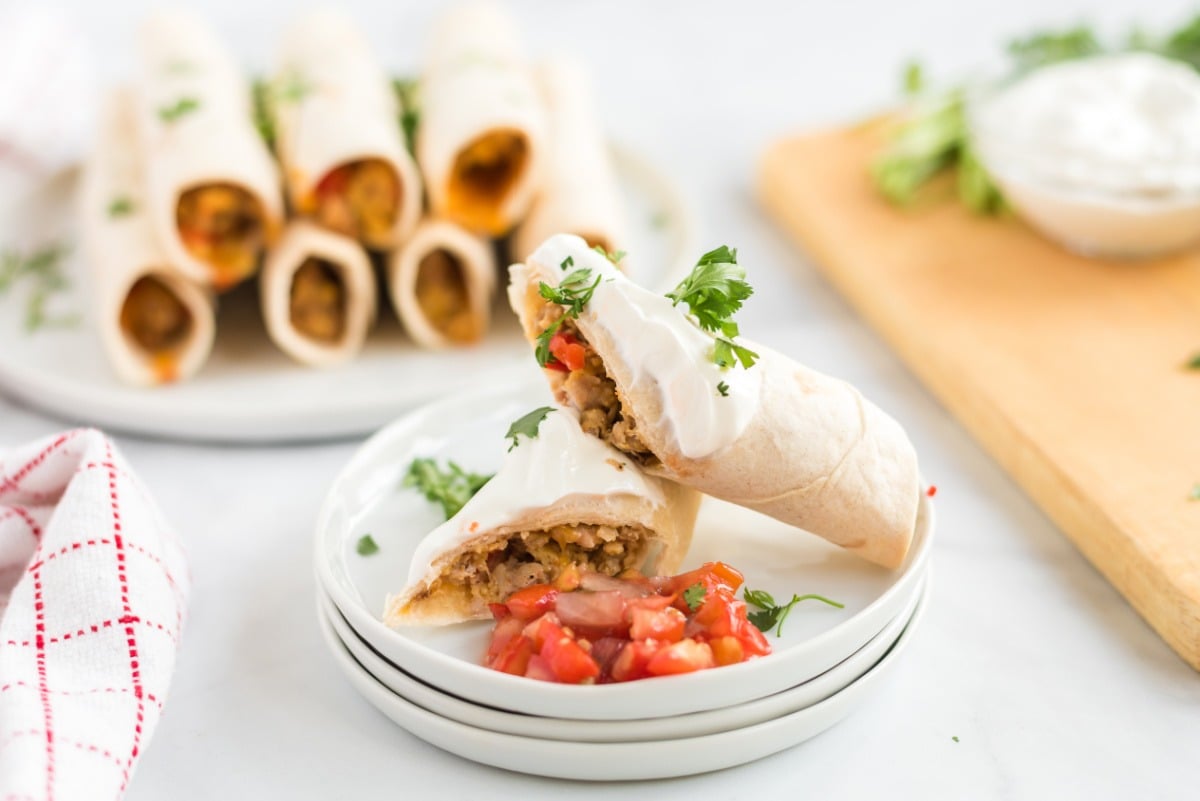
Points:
(1099, 154)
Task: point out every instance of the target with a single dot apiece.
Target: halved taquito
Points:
(212, 188)
(318, 296)
(561, 498)
(441, 282)
(777, 437)
(337, 134)
(579, 190)
(482, 132)
(156, 324)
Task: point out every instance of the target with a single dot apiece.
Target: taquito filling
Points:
(317, 302)
(494, 570)
(360, 199)
(484, 173)
(157, 323)
(589, 389)
(442, 293)
(223, 226)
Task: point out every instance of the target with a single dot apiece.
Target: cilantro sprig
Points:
(713, 292)
(42, 270)
(614, 256)
(771, 615)
(694, 595)
(573, 292)
(450, 488)
(527, 425)
(176, 111)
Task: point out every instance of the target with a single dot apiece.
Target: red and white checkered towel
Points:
(96, 586)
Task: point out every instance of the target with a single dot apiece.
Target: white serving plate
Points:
(695, 724)
(368, 498)
(588, 761)
(249, 391)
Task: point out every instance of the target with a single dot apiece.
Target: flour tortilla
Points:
(333, 104)
(120, 248)
(303, 240)
(816, 454)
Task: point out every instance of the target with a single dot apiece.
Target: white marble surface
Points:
(1052, 684)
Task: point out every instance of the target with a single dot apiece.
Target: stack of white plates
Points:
(430, 680)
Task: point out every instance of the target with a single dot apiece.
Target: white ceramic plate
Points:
(367, 498)
(589, 761)
(249, 391)
(695, 724)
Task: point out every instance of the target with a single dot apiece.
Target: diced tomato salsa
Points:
(588, 628)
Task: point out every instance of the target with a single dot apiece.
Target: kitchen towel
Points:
(93, 587)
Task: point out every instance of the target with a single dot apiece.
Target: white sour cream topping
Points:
(1124, 124)
(560, 461)
(664, 349)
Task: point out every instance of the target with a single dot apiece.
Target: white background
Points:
(1053, 685)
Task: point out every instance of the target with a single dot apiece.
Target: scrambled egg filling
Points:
(317, 302)
(442, 294)
(360, 199)
(593, 393)
(484, 173)
(155, 319)
(495, 570)
(223, 226)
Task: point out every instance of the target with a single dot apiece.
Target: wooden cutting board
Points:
(1069, 371)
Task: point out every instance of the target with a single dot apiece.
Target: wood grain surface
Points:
(1068, 370)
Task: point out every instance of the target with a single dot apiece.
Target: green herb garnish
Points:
(264, 115)
(1052, 47)
(723, 389)
(542, 351)
(527, 425)
(955, 738)
(1194, 495)
(914, 78)
(43, 271)
(693, 596)
(574, 292)
(451, 488)
(407, 94)
(366, 545)
(179, 109)
(714, 290)
(569, 261)
(613, 256)
(772, 614)
(1193, 363)
(120, 207)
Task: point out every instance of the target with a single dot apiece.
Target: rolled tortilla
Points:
(442, 282)
(562, 498)
(156, 324)
(777, 437)
(338, 134)
(212, 188)
(318, 296)
(482, 132)
(579, 193)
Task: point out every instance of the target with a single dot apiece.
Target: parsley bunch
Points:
(714, 290)
(451, 488)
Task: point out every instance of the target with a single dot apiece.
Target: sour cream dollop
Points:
(663, 348)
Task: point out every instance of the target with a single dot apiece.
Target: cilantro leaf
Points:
(726, 354)
(542, 351)
(574, 291)
(693, 596)
(569, 261)
(120, 207)
(407, 93)
(366, 545)
(723, 389)
(914, 78)
(527, 425)
(43, 271)
(179, 109)
(614, 256)
(1051, 47)
(772, 615)
(1194, 495)
(451, 488)
(714, 290)
(1193, 363)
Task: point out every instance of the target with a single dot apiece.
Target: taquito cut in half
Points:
(318, 296)
(561, 498)
(156, 324)
(337, 134)
(776, 437)
(579, 188)
(482, 131)
(442, 281)
(212, 188)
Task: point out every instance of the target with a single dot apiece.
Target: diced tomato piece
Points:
(567, 350)
(718, 615)
(531, 601)
(754, 642)
(727, 650)
(652, 603)
(728, 575)
(544, 628)
(685, 656)
(539, 669)
(499, 611)
(554, 364)
(568, 661)
(632, 661)
(514, 657)
(665, 625)
(595, 613)
(505, 631)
